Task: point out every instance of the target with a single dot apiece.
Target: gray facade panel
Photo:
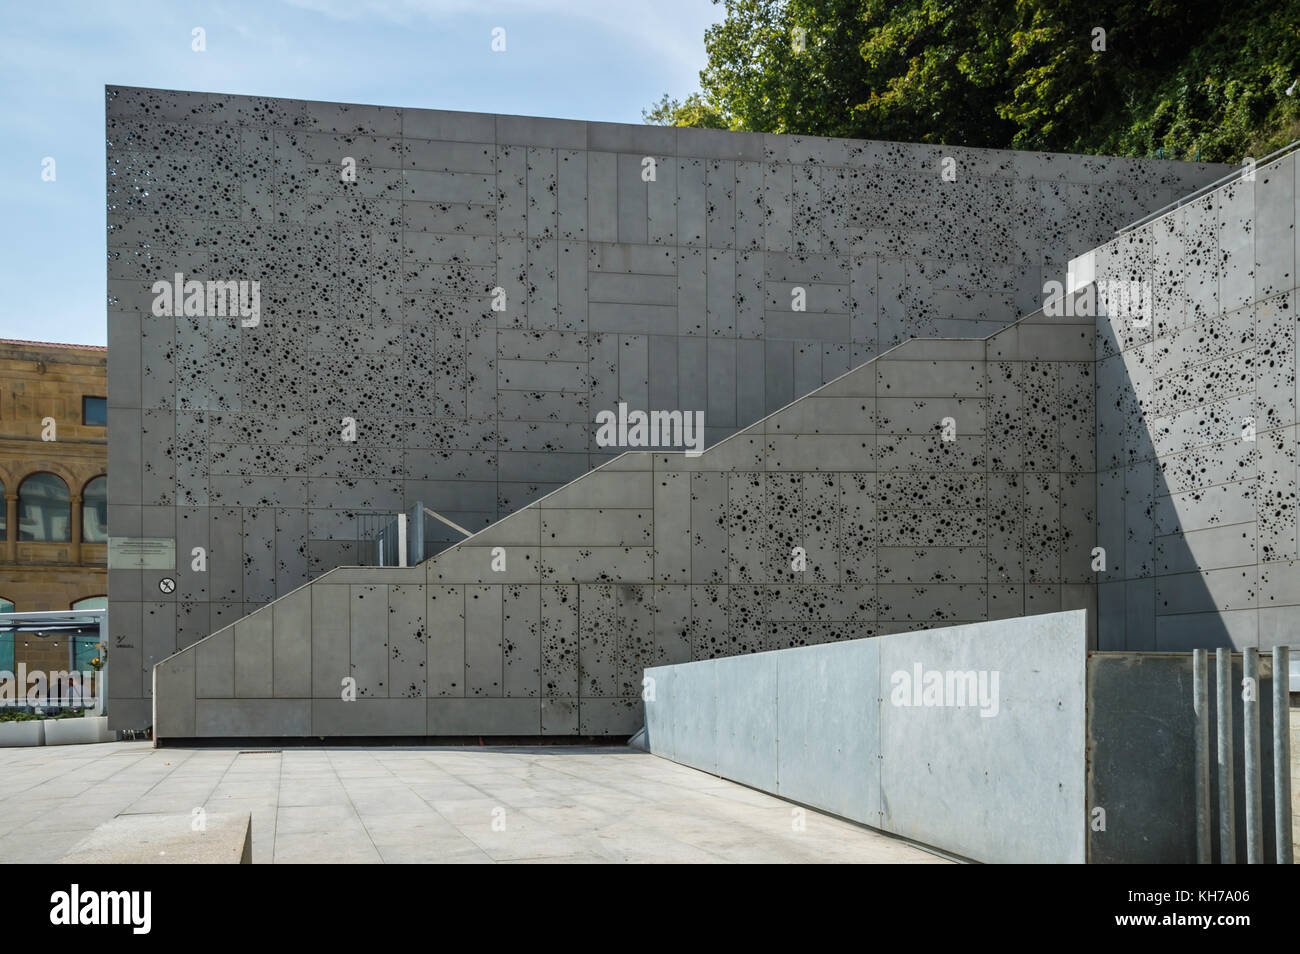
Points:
(1196, 408)
(664, 286)
(796, 531)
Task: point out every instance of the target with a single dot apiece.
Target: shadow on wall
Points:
(1196, 491)
(1142, 757)
(1196, 435)
(1134, 499)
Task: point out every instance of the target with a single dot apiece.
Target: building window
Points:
(94, 411)
(44, 511)
(91, 602)
(6, 640)
(94, 511)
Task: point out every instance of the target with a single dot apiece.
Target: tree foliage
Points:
(1182, 77)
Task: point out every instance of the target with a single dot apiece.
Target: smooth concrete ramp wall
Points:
(1090, 756)
(825, 726)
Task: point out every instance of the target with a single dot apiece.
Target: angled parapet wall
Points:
(1000, 742)
(377, 297)
(966, 738)
(1197, 479)
(946, 481)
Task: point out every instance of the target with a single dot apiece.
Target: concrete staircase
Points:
(945, 481)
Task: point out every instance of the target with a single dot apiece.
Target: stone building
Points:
(53, 465)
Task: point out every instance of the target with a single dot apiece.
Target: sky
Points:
(602, 60)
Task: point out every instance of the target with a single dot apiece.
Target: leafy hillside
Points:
(1180, 77)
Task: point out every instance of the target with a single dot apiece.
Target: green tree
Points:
(937, 71)
(694, 112)
(1079, 70)
(1223, 95)
(1179, 76)
(929, 70)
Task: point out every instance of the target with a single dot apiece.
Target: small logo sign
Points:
(167, 584)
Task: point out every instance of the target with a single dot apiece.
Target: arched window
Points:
(94, 511)
(91, 602)
(6, 606)
(43, 509)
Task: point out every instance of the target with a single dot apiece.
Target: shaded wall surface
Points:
(945, 481)
(376, 304)
(1196, 431)
(834, 727)
(1142, 747)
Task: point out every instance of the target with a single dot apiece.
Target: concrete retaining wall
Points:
(1075, 731)
(820, 725)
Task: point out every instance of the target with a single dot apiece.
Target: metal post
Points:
(1201, 705)
(418, 543)
(401, 539)
(1250, 732)
(1282, 754)
(1227, 797)
(101, 692)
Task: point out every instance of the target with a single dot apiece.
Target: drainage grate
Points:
(261, 752)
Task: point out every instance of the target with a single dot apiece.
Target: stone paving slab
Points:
(561, 804)
(167, 839)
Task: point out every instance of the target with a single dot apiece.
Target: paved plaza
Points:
(487, 804)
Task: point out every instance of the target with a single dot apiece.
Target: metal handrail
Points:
(454, 526)
(380, 526)
(1193, 196)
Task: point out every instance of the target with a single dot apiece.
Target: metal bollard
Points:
(1227, 796)
(1201, 705)
(1282, 754)
(1253, 770)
